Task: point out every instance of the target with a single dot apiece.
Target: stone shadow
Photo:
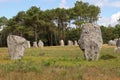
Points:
(107, 57)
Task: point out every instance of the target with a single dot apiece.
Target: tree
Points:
(107, 33)
(62, 20)
(3, 20)
(3, 24)
(34, 20)
(51, 25)
(117, 31)
(84, 12)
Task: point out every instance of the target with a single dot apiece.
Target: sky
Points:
(110, 9)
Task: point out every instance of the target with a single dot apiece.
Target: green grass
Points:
(60, 63)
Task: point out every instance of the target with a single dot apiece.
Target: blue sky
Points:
(110, 9)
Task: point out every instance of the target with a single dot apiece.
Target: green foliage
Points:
(50, 26)
(110, 33)
(73, 34)
(85, 13)
(3, 20)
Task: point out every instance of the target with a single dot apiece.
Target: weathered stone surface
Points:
(75, 43)
(118, 43)
(112, 43)
(117, 50)
(40, 44)
(115, 39)
(90, 41)
(70, 43)
(28, 42)
(35, 44)
(61, 43)
(16, 46)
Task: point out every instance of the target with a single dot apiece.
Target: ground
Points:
(60, 63)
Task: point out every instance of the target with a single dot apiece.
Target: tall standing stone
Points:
(118, 43)
(90, 41)
(117, 49)
(61, 43)
(16, 46)
(40, 44)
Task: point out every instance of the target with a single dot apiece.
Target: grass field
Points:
(60, 63)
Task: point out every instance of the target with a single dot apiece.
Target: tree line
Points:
(50, 26)
(110, 32)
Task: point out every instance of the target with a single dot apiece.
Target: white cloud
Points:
(63, 4)
(113, 20)
(104, 21)
(114, 4)
(104, 3)
(107, 3)
(101, 3)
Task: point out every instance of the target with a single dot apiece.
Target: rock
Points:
(115, 39)
(112, 43)
(40, 44)
(16, 46)
(118, 43)
(90, 41)
(35, 44)
(28, 42)
(75, 43)
(117, 50)
(70, 43)
(61, 43)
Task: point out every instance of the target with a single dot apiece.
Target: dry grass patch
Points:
(60, 63)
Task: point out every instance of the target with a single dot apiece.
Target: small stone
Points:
(75, 43)
(40, 44)
(61, 43)
(70, 43)
(112, 43)
(28, 42)
(35, 44)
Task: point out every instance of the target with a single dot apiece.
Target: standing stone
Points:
(75, 43)
(70, 43)
(115, 39)
(90, 41)
(61, 43)
(28, 42)
(118, 43)
(117, 49)
(112, 43)
(35, 44)
(16, 46)
(40, 44)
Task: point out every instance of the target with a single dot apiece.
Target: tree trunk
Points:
(55, 36)
(51, 41)
(35, 33)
